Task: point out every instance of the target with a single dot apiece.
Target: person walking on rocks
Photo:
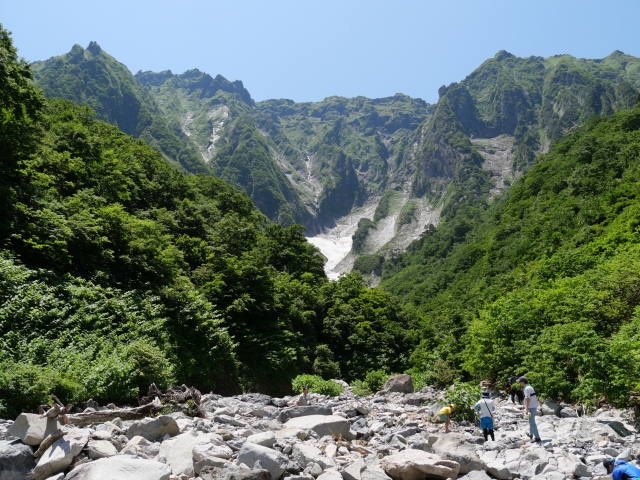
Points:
(303, 400)
(621, 470)
(530, 408)
(444, 415)
(485, 408)
(514, 392)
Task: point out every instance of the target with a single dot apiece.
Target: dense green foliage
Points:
(544, 280)
(464, 396)
(316, 384)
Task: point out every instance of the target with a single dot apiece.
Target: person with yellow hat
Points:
(444, 415)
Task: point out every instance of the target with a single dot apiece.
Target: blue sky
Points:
(308, 50)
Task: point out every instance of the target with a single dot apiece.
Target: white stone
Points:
(121, 468)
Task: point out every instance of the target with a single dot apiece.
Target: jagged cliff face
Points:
(398, 162)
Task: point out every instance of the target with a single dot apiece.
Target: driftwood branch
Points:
(102, 416)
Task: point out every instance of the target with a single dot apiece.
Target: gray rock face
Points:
(16, 460)
(294, 412)
(271, 460)
(399, 383)
(60, 455)
(120, 467)
(154, 428)
(321, 424)
(32, 429)
(416, 465)
(455, 447)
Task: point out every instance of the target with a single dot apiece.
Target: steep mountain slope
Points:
(545, 280)
(215, 115)
(95, 78)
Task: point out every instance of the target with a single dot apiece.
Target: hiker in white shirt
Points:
(530, 408)
(485, 408)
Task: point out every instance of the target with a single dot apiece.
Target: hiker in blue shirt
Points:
(621, 470)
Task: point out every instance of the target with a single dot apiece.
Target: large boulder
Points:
(178, 451)
(16, 460)
(120, 467)
(475, 475)
(455, 446)
(32, 429)
(60, 454)
(359, 470)
(399, 383)
(416, 465)
(271, 460)
(154, 428)
(294, 412)
(321, 424)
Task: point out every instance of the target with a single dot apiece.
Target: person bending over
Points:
(621, 470)
(444, 415)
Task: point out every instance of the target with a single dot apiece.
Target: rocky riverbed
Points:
(387, 436)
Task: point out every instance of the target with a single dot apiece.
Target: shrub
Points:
(23, 387)
(463, 396)
(366, 264)
(316, 385)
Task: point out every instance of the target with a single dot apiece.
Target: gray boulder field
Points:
(387, 436)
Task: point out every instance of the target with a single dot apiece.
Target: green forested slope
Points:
(93, 77)
(545, 280)
(117, 270)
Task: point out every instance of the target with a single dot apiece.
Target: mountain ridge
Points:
(327, 164)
